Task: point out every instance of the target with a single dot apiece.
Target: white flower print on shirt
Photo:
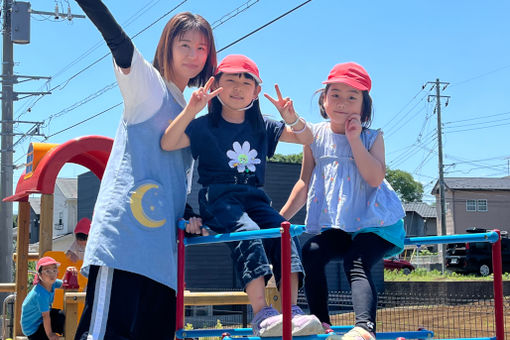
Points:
(242, 157)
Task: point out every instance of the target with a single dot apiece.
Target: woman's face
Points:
(189, 54)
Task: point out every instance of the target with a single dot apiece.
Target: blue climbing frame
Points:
(286, 232)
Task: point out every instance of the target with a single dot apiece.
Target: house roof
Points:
(474, 183)
(69, 187)
(421, 208)
(35, 203)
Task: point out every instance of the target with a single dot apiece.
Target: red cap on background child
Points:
(238, 63)
(83, 226)
(351, 74)
(43, 261)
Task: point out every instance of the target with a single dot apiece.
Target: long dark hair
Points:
(175, 28)
(253, 115)
(367, 111)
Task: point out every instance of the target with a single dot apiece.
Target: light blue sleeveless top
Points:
(142, 195)
(338, 196)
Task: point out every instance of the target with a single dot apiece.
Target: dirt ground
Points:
(461, 321)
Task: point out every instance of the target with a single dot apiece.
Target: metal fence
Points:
(451, 316)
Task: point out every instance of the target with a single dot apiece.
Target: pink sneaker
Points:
(303, 324)
(267, 322)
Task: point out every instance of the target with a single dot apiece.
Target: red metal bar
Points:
(285, 287)
(498, 288)
(179, 319)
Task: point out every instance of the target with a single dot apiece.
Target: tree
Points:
(295, 158)
(404, 185)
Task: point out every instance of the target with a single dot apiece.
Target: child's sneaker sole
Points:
(306, 325)
(274, 329)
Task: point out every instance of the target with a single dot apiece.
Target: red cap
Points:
(45, 261)
(238, 63)
(83, 226)
(351, 74)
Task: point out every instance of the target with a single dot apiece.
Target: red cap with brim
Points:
(83, 226)
(237, 63)
(351, 74)
(45, 261)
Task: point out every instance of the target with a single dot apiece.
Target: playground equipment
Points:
(286, 232)
(44, 162)
(43, 165)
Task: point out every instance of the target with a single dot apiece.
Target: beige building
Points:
(474, 202)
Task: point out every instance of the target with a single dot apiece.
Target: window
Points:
(481, 205)
(470, 205)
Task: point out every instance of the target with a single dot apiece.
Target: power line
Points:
(480, 76)
(263, 26)
(230, 17)
(238, 40)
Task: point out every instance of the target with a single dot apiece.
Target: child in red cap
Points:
(343, 174)
(38, 320)
(81, 233)
(231, 144)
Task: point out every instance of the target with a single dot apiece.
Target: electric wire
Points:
(229, 45)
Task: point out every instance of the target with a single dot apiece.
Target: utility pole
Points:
(441, 183)
(16, 29)
(6, 148)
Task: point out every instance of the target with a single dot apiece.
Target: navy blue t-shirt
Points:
(232, 152)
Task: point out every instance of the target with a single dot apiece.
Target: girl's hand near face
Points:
(284, 106)
(201, 96)
(353, 127)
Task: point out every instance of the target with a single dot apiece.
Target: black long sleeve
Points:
(117, 40)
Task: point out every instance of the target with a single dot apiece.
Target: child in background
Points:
(342, 182)
(231, 144)
(81, 232)
(38, 320)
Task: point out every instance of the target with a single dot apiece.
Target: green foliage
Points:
(294, 158)
(426, 252)
(422, 274)
(218, 325)
(404, 185)
(14, 221)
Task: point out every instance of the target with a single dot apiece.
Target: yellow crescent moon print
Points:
(139, 205)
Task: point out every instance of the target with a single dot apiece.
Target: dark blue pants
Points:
(226, 208)
(359, 256)
(57, 318)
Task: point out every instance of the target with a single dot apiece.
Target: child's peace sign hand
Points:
(283, 105)
(201, 96)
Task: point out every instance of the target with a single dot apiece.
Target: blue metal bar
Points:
(243, 235)
(297, 229)
(490, 236)
(493, 338)
(248, 333)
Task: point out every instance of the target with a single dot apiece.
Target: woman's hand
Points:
(284, 106)
(201, 96)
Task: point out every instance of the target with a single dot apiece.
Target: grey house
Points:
(210, 266)
(420, 220)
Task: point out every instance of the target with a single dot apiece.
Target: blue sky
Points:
(402, 44)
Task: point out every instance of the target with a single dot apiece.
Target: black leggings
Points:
(359, 256)
(57, 325)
